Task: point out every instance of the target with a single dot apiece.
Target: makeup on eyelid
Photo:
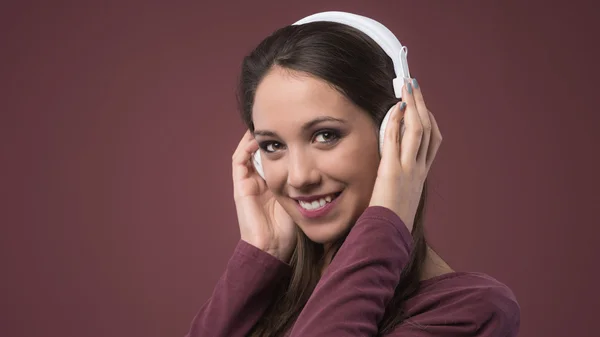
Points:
(334, 136)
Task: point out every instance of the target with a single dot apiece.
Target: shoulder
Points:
(462, 304)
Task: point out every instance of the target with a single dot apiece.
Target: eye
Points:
(327, 136)
(323, 137)
(270, 146)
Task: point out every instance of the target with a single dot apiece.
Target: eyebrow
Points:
(305, 127)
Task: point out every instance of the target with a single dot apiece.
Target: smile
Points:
(319, 206)
(318, 203)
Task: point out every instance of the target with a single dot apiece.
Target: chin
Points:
(325, 233)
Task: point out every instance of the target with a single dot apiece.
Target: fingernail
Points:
(409, 88)
(403, 106)
(415, 84)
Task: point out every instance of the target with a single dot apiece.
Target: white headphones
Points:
(384, 38)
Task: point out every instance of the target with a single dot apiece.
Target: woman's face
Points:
(319, 152)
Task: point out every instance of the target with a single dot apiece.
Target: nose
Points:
(302, 171)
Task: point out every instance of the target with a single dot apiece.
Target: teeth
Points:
(316, 204)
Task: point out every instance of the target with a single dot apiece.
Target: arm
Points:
(241, 295)
(351, 296)
(350, 299)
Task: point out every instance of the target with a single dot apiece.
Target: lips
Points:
(317, 197)
(317, 206)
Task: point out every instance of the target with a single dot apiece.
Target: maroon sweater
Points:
(350, 298)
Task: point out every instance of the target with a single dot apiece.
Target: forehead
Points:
(287, 98)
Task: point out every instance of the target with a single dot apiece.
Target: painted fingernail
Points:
(415, 83)
(409, 88)
(403, 106)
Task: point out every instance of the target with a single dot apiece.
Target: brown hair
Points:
(358, 68)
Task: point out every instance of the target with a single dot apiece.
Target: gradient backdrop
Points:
(118, 122)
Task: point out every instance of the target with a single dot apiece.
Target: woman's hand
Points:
(405, 162)
(263, 222)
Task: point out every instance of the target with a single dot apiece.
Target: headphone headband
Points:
(376, 31)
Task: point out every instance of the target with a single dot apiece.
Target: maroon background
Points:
(119, 120)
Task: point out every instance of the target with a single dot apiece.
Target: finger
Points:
(247, 136)
(241, 162)
(425, 122)
(436, 141)
(246, 152)
(391, 146)
(411, 140)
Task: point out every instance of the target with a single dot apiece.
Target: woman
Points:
(332, 241)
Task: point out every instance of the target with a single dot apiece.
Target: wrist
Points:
(270, 249)
(278, 254)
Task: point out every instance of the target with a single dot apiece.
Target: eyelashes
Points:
(265, 146)
(327, 137)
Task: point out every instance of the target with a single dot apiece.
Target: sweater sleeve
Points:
(241, 295)
(351, 297)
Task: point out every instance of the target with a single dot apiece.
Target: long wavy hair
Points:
(358, 68)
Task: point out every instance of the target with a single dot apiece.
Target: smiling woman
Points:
(331, 223)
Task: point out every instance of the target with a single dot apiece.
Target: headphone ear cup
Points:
(258, 164)
(384, 124)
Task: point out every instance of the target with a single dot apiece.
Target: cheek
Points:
(276, 177)
(357, 169)
(354, 164)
